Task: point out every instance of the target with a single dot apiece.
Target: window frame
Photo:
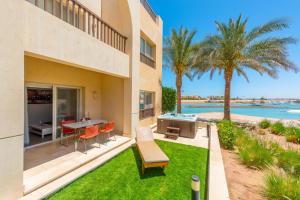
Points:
(148, 109)
(143, 48)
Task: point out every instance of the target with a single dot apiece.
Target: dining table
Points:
(77, 126)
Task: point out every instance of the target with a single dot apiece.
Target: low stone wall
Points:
(217, 184)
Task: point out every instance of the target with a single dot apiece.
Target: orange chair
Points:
(108, 129)
(90, 132)
(66, 131)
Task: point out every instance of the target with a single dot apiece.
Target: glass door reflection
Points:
(68, 106)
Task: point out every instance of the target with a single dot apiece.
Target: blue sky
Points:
(201, 15)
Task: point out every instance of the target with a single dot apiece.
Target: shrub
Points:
(261, 132)
(168, 99)
(274, 148)
(290, 162)
(241, 138)
(264, 124)
(292, 134)
(254, 153)
(281, 187)
(277, 128)
(226, 134)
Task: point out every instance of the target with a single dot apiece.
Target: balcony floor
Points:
(49, 162)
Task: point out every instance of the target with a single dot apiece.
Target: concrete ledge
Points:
(59, 183)
(43, 174)
(217, 184)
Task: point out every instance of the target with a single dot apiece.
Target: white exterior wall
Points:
(12, 99)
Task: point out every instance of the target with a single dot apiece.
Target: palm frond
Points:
(274, 25)
(180, 52)
(235, 49)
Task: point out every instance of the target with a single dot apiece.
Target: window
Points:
(146, 104)
(147, 53)
(146, 48)
(143, 45)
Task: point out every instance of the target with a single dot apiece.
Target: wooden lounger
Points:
(151, 154)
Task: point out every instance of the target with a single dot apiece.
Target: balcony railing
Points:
(149, 9)
(82, 18)
(148, 61)
(145, 113)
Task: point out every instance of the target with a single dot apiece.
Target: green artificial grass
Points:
(121, 178)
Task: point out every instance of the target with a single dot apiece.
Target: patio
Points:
(49, 162)
(201, 139)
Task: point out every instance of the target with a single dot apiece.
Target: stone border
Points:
(217, 184)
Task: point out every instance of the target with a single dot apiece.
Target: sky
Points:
(201, 16)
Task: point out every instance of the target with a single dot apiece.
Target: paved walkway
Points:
(201, 139)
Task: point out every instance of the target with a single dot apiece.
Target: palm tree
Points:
(179, 54)
(234, 50)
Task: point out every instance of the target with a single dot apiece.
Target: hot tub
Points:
(186, 122)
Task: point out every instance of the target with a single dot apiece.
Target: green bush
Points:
(254, 153)
(281, 187)
(264, 124)
(277, 128)
(292, 134)
(168, 99)
(226, 134)
(274, 148)
(290, 162)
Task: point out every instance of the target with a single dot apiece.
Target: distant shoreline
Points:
(232, 101)
(263, 106)
(245, 118)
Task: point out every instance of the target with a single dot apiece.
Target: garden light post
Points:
(195, 188)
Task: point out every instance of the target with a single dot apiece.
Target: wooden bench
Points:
(172, 132)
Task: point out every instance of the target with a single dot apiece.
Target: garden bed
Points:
(243, 182)
(121, 177)
(259, 161)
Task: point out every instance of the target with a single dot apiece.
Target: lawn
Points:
(121, 178)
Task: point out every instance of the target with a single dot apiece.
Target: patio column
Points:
(131, 85)
(12, 99)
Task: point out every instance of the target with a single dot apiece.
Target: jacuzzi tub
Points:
(186, 123)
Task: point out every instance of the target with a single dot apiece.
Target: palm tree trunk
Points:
(228, 77)
(178, 87)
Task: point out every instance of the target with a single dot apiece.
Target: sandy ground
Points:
(281, 140)
(243, 183)
(243, 118)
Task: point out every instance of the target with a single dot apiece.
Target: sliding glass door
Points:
(67, 106)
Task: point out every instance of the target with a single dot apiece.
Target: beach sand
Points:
(244, 118)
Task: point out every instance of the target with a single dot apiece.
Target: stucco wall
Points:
(46, 72)
(93, 5)
(112, 100)
(151, 79)
(48, 36)
(12, 99)
(28, 30)
(103, 94)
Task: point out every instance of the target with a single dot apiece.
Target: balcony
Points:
(149, 9)
(79, 16)
(56, 39)
(146, 60)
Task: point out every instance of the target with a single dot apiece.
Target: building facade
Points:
(63, 59)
